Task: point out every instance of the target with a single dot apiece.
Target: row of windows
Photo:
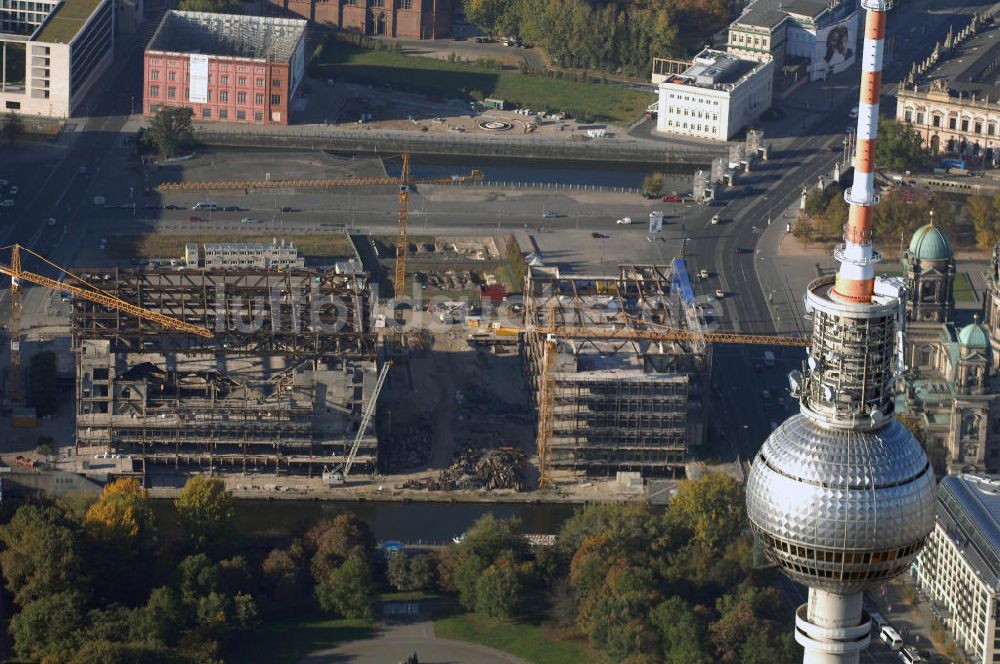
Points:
(954, 123)
(221, 66)
(400, 4)
(680, 97)
(693, 127)
(241, 97)
(154, 75)
(740, 38)
(694, 114)
(840, 557)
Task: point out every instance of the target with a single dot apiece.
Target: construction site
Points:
(278, 386)
(609, 400)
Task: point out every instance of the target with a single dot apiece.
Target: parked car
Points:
(193, 219)
(203, 205)
(672, 198)
(83, 170)
(551, 214)
(51, 221)
(13, 190)
(288, 209)
(624, 220)
(232, 208)
(716, 219)
(250, 220)
(171, 207)
(719, 293)
(7, 202)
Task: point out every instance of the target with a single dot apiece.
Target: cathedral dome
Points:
(973, 336)
(930, 243)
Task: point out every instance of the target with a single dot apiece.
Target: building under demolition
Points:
(618, 404)
(279, 386)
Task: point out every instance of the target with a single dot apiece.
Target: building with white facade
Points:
(243, 256)
(715, 97)
(53, 52)
(959, 567)
(806, 39)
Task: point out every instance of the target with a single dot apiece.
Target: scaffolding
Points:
(279, 387)
(615, 405)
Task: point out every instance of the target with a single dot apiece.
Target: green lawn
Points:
(962, 289)
(451, 80)
(287, 642)
(529, 642)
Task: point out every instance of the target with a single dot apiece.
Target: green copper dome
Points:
(973, 336)
(930, 243)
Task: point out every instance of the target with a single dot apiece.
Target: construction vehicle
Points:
(404, 181)
(92, 293)
(338, 476)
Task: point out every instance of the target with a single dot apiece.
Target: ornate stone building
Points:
(951, 97)
(400, 19)
(951, 385)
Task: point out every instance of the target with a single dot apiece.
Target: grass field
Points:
(287, 642)
(171, 245)
(529, 642)
(455, 80)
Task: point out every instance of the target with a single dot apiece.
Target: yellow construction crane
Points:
(404, 181)
(546, 399)
(92, 293)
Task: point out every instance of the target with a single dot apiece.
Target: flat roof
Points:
(770, 13)
(969, 507)
(712, 68)
(228, 35)
(66, 21)
(966, 70)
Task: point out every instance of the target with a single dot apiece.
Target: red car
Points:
(671, 198)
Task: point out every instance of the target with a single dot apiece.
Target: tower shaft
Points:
(856, 277)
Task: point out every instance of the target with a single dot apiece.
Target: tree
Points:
(335, 540)
(984, 213)
(205, 510)
(490, 537)
(397, 571)
(40, 556)
(171, 129)
(422, 572)
(110, 652)
(13, 127)
(43, 395)
(802, 230)
(466, 576)
(43, 445)
(711, 507)
(160, 620)
(681, 634)
(498, 591)
(121, 514)
(653, 184)
(47, 627)
(899, 147)
(197, 577)
(350, 592)
(285, 579)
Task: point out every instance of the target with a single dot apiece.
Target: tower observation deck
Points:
(841, 495)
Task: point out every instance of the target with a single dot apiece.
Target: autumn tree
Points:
(285, 579)
(711, 507)
(205, 510)
(332, 541)
(984, 214)
(121, 514)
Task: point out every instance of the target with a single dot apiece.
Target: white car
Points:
(703, 273)
(51, 221)
(9, 202)
(715, 219)
(250, 220)
(624, 220)
(13, 190)
(720, 293)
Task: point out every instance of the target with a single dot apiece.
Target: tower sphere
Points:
(841, 509)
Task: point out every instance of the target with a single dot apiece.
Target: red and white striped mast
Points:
(856, 277)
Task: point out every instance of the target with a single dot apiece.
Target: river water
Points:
(408, 522)
(608, 174)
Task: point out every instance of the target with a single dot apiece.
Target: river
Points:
(407, 522)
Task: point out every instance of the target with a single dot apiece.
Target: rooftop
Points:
(66, 21)
(967, 70)
(713, 68)
(228, 35)
(968, 509)
(770, 13)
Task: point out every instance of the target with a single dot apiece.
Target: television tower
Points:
(841, 495)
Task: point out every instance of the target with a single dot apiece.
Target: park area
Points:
(346, 62)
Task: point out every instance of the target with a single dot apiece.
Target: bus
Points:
(891, 637)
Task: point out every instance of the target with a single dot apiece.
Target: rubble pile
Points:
(478, 470)
(409, 449)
